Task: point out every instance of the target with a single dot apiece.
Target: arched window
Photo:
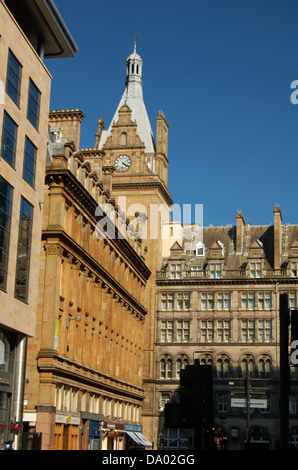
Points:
(206, 360)
(264, 367)
(222, 367)
(166, 367)
(248, 366)
(181, 363)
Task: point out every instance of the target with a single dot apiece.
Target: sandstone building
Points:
(30, 33)
(140, 188)
(218, 302)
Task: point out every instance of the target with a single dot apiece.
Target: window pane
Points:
(33, 105)
(23, 256)
(9, 138)
(29, 162)
(5, 217)
(13, 81)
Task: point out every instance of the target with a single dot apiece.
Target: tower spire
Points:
(133, 98)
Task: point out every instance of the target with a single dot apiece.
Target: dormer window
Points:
(256, 270)
(294, 266)
(176, 271)
(215, 271)
(200, 249)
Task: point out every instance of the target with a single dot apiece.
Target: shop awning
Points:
(139, 438)
(143, 439)
(135, 438)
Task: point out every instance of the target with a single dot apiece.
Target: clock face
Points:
(122, 163)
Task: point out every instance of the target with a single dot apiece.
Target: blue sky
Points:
(220, 70)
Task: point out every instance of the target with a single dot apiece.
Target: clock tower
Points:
(139, 182)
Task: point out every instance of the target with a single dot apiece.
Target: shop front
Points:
(112, 435)
(134, 439)
(67, 428)
(91, 426)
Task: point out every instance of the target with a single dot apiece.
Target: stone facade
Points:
(89, 340)
(25, 86)
(219, 303)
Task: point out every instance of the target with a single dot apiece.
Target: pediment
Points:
(176, 247)
(216, 249)
(256, 250)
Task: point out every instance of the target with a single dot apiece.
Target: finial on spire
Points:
(135, 44)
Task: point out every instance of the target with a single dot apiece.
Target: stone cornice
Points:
(66, 243)
(50, 362)
(75, 190)
(145, 185)
(225, 282)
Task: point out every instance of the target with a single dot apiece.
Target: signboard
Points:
(67, 419)
(254, 403)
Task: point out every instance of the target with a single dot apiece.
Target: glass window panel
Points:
(5, 219)
(9, 140)
(23, 255)
(29, 162)
(33, 104)
(13, 80)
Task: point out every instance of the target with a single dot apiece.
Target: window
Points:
(5, 219)
(256, 270)
(294, 267)
(196, 271)
(167, 301)
(164, 398)
(175, 438)
(248, 331)
(222, 402)
(29, 162)
(248, 367)
(166, 368)
(208, 301)
(13, 79)
(223, 331)
(175, 271)
(222, 368)
(33, 104)
(200, 249)
(23, 255)
(180, 364)
(292, 299)
(264, 300)
(166, 331)
(223, 301)
(215, 271)
(248, 300)
(9, 140)
(183, 301)
(264, 368)
(182, 330)
(292, 404)
(207, 331)
(264, 330)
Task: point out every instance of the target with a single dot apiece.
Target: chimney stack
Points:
(69, 121)
(277, 236)
(240, 223)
